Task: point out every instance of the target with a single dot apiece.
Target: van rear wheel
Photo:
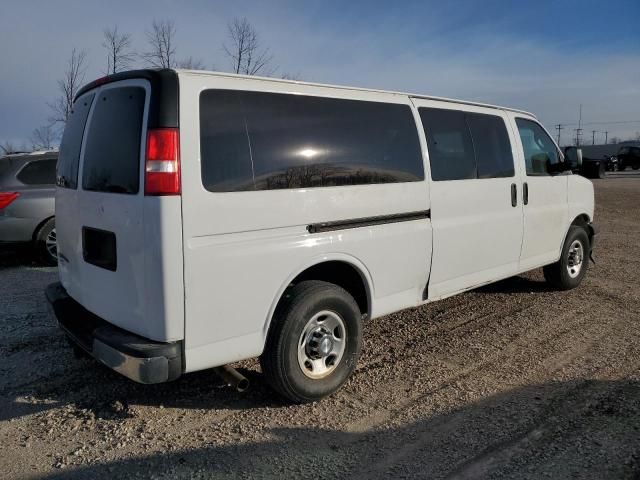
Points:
(568, 272)
(314, 341)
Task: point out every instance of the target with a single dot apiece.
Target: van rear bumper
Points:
(135, 357)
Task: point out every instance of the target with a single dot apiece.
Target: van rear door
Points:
(120, 251)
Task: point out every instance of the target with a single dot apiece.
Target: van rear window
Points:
(268, 141)
(112, 151)
(67, 172)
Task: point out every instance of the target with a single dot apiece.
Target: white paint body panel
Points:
(243, 248)
(145, 294)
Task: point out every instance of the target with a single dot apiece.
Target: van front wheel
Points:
(314, 341)
(568, 272)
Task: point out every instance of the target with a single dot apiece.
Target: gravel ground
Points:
(512, 380)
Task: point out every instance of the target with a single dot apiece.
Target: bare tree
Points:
(162, 51)
(118, 47)
(43, 137)
(191, 64)
(244, 49)
(7, 147)
(291, 76)
(69, 86)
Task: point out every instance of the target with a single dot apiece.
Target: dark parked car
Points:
(629, 157)
(27, 192)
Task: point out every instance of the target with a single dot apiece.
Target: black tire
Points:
(280, 363)
(45, 256)
(558, 274)
(635, 167)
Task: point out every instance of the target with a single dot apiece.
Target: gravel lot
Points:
(508, 381)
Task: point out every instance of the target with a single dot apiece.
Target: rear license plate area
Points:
(99, 248)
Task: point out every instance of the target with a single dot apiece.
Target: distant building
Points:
(597, 152)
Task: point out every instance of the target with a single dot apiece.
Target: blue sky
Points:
(542, 56)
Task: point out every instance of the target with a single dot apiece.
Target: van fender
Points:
(327, 257)
(582, 220)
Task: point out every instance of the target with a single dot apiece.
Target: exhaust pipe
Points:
(232, 377)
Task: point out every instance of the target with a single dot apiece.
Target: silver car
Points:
(27, 202)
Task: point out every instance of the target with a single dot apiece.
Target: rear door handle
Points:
(525, 193)
(514, 195)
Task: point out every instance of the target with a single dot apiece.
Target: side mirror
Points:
(573, 157)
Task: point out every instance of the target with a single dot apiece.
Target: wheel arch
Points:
(581, 220)
(343, 270)
(34, 235)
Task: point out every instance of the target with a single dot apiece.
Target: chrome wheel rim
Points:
(575, 257)
(51, 245)
(321, 344)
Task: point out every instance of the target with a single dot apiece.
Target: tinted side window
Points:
(67, 174)
(491, 145)
(539, 150)
(112, 151)
(449, 142)
(39, 172)
(264, 141)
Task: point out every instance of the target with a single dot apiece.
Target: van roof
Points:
(150, 73)
(344, 87)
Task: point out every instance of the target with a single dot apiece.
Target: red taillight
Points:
(162, 165)
(7, 198)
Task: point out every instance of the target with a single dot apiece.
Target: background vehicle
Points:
(207, 218)
(27, 192)
(629, 157)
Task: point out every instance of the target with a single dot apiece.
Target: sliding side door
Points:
(476, 211)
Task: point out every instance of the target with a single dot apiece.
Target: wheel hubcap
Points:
(51, 245)
(575, 257)
(321, 344)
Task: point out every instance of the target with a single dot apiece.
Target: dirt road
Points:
(509, 381)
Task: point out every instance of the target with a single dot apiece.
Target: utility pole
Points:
(593, 137)
(579, 129)
(606, 138)
(559, 127)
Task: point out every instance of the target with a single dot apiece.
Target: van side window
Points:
(465, 146)
(539, 150)
(267, 141)
(449, 143)
(67, 172)
(491, 145)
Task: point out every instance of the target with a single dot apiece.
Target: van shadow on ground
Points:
(516, 285)
(586, 429)
(16, 255)
(86, 384)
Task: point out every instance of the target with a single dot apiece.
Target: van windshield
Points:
(112, 151)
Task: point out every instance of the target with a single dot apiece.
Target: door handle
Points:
(525, 193)
(514, 195)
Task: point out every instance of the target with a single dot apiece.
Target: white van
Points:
(206, 218)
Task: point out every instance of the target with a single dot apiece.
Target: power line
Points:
(603, 123)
